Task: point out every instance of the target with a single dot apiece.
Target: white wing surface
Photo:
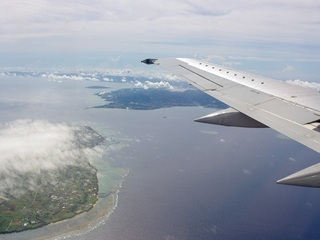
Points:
(257, 102)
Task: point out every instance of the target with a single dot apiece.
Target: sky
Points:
(279, 39)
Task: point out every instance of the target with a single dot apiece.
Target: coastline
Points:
(88, 221)
(50, 203)
(82, 223)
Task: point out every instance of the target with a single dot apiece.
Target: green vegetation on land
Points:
(74, 192)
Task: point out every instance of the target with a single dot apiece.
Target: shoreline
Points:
(79, 224)
(99, 218)
(80, 228)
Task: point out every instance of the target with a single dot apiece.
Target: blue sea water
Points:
(195, 181)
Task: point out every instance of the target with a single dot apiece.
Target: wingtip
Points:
(149, 61)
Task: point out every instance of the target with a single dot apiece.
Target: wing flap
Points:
(289, 111)
(272, 105)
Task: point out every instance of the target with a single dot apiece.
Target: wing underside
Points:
(255, 102)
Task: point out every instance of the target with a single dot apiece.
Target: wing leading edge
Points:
(257, 102)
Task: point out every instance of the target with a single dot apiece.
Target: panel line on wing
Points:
(200, 75)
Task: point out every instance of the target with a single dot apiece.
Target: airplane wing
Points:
(256, 101)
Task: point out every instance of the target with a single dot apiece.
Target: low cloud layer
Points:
(148, 84)
(306, 84)
(28, 148)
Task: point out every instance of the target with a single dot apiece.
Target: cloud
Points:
(148, 84)
(78, 77)
(30, 147)
(209, 132)
(305, 84)
(247, 171)
(292, 159)
(64, 77)
(140, 85)
(288, 68)
(104, 25)
(252, 58)
(149, 73)
(281, 136)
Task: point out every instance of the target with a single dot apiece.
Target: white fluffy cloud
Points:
(78, 77)
(30, 147)
(148, 84)
(306, 84)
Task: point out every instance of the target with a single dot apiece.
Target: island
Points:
(59, 194)
(154, 98)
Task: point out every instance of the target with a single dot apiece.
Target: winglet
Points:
(149, 61)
